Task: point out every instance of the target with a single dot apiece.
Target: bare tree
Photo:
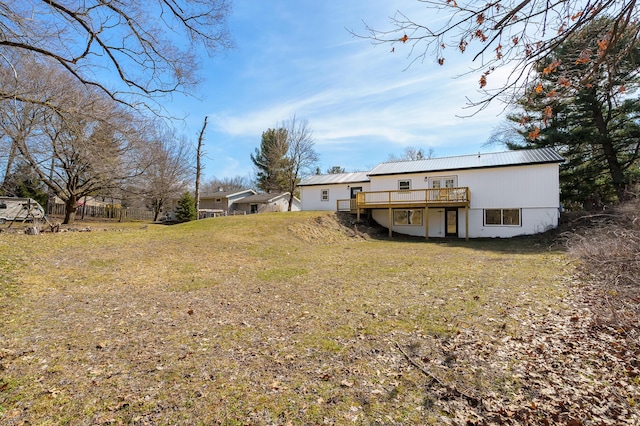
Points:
(169, 172)
(150, 46)
(234, 183)
(301, 155)
(511, 34)
(78, 141)
(199, 167)
(412, 153)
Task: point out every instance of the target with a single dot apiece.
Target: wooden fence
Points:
(105, 212)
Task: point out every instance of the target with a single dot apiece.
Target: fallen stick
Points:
(471, 399)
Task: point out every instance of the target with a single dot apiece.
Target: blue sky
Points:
(360, 100)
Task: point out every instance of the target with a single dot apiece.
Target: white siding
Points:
(310, 196)
(532, 186)
(534, 189)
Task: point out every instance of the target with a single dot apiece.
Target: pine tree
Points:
(271, 161)
(186, 209)
(593, 123)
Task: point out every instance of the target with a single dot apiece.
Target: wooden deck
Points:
(416, 198)
(410, 199)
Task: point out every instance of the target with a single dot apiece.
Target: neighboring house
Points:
(261, 203)
(501, 194)
(222, 202)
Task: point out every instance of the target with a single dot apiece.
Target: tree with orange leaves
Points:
(593, 122)
(515, 34)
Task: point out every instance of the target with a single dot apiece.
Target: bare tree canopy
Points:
(235, 183)
(510, 34)
(169, 172)
(148, 47)
(79, 142)
(412, 153)
(301, 154)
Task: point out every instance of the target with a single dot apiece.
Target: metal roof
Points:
(262, 198)
(335, 178)
(475, 161)
(224, 194)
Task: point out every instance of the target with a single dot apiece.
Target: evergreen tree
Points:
(335, 170)
(25, 183)
(186, 210)
(271, 160)
(593, 123)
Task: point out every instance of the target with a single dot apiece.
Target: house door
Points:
(451, 222)
(354, 191)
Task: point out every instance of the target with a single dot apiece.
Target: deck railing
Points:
(439, 196)
(346, 205)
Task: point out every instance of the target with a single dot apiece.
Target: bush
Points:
(186, 209)
(608, 244)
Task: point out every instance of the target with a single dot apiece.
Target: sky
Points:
(362, 102)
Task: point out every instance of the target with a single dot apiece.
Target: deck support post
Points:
(390, 222)
(426, 222)
(466, 222)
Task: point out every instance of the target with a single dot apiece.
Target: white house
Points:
(322, 192)
(500, 194)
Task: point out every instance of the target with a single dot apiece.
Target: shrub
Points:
(609, 246)
(186, 209)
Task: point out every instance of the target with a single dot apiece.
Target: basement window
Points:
(407, 217)
(504, 217)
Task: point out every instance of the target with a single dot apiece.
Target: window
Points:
(407, 217)
(404, 185)
(493, 217)
(324, 195)
(437, 182)
(218, 200)
(509, 217)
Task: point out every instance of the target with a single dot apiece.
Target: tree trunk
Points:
(71, 205)
(157, 206)
(290, 201)
(615, 169)
(199, 168)
(609, 151)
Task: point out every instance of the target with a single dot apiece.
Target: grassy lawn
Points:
(267, 319)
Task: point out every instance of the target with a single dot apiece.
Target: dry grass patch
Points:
(244, 320)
